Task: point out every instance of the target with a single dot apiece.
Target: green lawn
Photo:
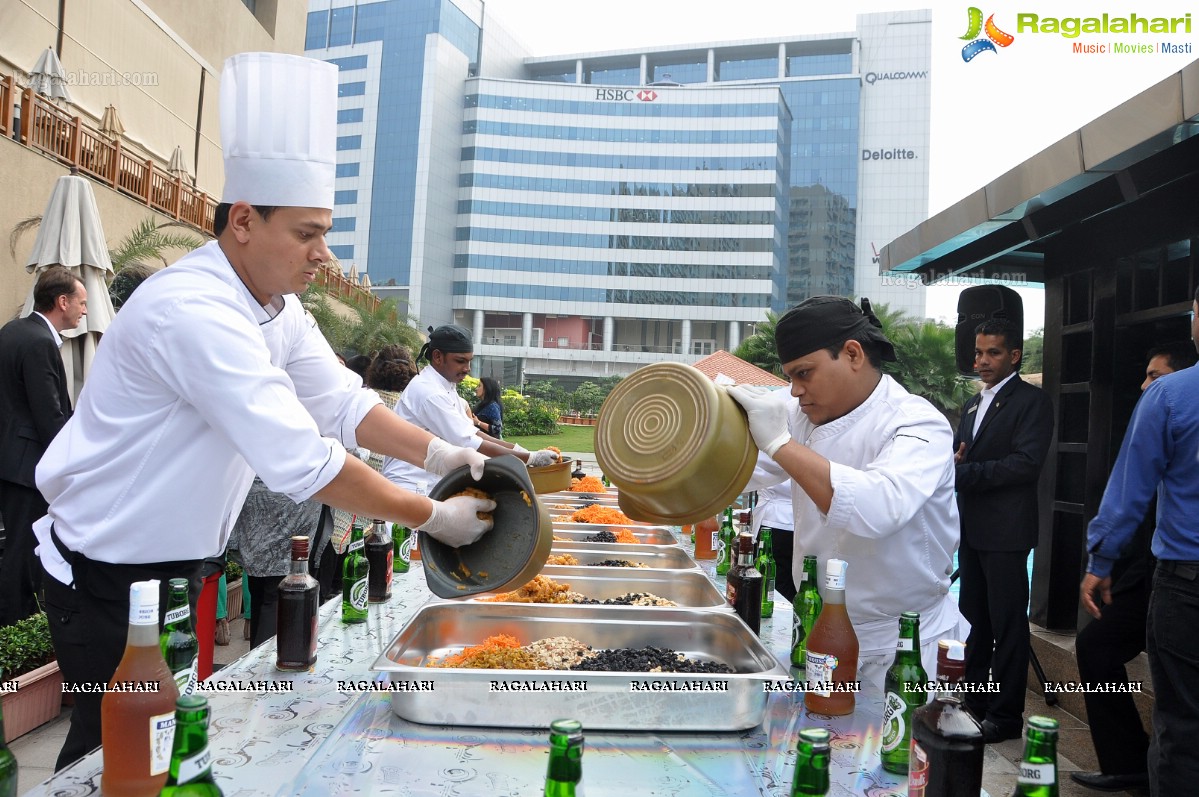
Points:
(580, 439)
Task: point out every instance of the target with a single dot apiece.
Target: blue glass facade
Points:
(401, 26)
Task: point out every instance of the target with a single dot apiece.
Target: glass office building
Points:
(588, 214)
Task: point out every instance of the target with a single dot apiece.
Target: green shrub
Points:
(526, 415)
(25, 645)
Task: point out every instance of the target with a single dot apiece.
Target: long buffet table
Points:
(288, 734)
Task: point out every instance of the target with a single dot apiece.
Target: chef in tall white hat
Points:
(212, 372)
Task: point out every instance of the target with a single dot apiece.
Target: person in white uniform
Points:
(873, 472)
(431, 401)
(212, 373)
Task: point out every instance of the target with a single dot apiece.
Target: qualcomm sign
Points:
(874, 77)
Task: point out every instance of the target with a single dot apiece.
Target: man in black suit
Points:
(1001, 444)
(34, 405)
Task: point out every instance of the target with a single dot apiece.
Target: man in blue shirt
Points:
(1160, 453)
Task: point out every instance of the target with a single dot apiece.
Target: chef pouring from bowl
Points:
(212, 373)
(874, 476)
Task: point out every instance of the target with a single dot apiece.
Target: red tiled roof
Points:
(743, 373)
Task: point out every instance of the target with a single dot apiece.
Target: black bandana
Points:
(448, 339)
(823, 321)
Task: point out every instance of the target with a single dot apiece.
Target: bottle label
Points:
(834, 580)
(194, 766)
(359, 594)
(178, 613)
(797, 631)
(819, 668)
(356, 545)
(904, 645)
(1036, 774)
(143, 614)
(894, 726)
(390, 563)
(717, 543)
(186, 678)
(162, 739)
(730, 593)
(917, 770)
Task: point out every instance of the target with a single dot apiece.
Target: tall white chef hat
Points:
(279, 130)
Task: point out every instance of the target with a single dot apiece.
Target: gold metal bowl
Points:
(675, 443)
(551, 478)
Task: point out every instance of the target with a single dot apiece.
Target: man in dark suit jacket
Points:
(1001, 444)
(34, 405)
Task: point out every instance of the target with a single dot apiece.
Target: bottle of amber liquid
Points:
(379, 554)
(296, 613)
(706, 533)
(832, 655)
(137, 726)
(744, 586)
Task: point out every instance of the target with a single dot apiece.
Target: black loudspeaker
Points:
(981, 303)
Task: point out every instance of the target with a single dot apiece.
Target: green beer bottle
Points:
(191, 763)
(811, 763)
(355, 573)
(178, 640)
(807, 606)
(727, 549)
(8, 763)
(1038, 769)
(565, 770)
(769, 570)
(401, 539)
(904, 693)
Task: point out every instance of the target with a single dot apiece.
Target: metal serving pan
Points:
(688, 588)
(646, 535)
(600, 700)
(660, 557)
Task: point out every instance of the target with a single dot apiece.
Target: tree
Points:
(1033, 359)
(366, 331)
(587, 398)
(149, 240)
(759, 348)
(927, 366)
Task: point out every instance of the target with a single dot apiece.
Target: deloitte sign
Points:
(896, 154)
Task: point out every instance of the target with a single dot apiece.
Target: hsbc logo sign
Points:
(626, 95)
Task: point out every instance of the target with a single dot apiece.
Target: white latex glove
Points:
(454, 521)
(517, 448)
(539, 459)
(767, 416)
(441, 458)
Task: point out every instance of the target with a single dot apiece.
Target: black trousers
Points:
(994, 598)
(264, 608)
(782, 546)
(20, 570)
(1173, 646)
(1102, 649)
(89, 626)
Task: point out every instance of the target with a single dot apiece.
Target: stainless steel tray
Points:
(646, 535)
(687, 588)
(600, 700)
(661, 557)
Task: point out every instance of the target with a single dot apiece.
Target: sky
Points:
(988, 114)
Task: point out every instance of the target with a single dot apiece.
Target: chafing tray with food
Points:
(591, 554)
(627, 535)
(688, 589)
(699, 696)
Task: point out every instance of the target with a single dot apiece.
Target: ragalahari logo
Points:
(994, 36)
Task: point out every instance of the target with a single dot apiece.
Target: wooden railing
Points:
(49, 129)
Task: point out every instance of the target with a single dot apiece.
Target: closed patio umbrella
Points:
(110, 123)
(178, 163)
(48, 78)
(71, 235)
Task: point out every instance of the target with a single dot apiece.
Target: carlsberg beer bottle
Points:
(727, 551)
(355, 574)
(1038, 768)
(807, 606)
(904, 693)
(769, 570)
(178, 640)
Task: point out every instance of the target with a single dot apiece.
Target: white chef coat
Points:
(893, 516)
(194, 389)
(431, 402)
(774, 508)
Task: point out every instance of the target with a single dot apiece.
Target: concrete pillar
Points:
(685, 343)
(734, 334)
(609, 332)
(526, 330)
(644, 69)
(579, 70)
(782, 60)
(478, 328)
(711, 65)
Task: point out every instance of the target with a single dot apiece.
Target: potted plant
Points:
(32, 690)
